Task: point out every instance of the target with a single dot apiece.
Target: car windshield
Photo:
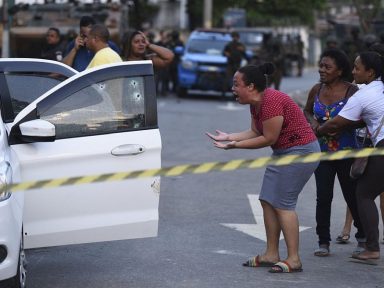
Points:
(209, 46)
(251, 38)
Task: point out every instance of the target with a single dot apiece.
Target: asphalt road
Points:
(207, 222)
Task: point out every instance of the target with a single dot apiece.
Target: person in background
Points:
(300, 55)
(173, 43)
(162, 74)
(137, 47)
(331, 42)
(97, 42)
(276, 122)
(77, 55)
(325, 100)
(235, 53)
(366, 105)
(54, 47)
(353, 44)
(273, 50)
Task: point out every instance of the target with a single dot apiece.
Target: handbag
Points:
(358, 167)
(359, 164)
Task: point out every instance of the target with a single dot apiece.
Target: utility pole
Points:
(183, 18)
(207, 13)
(5, 44)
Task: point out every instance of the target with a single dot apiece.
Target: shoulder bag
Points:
(359, 164)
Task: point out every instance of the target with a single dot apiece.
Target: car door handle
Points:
(128, 149)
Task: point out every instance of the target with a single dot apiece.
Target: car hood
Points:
(205, 58)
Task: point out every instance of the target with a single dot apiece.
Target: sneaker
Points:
(359, 248)
(322, 251)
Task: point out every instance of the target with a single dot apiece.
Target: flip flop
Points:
(255, 262)
(284, 267)
(343, 238)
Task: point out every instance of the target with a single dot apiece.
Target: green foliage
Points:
(141, 11)
(261, 12)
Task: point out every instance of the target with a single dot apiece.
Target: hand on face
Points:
(79, 42)
(145, 39)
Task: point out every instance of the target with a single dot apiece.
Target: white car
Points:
(58, 123)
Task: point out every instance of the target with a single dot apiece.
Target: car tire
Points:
(182, 92)
(19, 280)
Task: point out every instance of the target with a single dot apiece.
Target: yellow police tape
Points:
(200, 168)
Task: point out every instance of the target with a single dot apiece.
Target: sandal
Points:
(322, 251)
(255, 262)
(284, 267)
(343, 238)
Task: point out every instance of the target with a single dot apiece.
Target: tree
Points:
(139, 12)
(259, 12)
(367, 11)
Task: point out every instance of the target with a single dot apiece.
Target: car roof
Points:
(212, 33)
(253, 29)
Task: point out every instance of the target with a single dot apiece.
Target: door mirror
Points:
(179, 50)
(37, 130)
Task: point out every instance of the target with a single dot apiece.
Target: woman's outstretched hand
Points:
(221, 137)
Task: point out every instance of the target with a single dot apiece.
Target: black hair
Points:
(373, 60)
(377, 47)
(235, 34)
(56, 30)
(86, 21)
(341, 60)
(127, 43)
(257, 75)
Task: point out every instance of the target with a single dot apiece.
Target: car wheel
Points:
(19, 280)
(182, 92)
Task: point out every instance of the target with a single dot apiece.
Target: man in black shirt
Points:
(54, 47)
(235, 53)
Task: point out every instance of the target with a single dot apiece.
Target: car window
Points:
(106, 107)
(251, 38)
(211, 47)
(33, 86)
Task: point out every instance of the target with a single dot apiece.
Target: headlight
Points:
(188, 65)
(5, 180)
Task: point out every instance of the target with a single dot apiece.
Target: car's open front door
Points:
(105, 121)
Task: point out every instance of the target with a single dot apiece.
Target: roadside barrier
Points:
(200, 168)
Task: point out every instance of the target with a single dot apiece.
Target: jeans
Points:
(325, 178)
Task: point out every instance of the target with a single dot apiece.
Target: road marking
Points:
(228, 252)
(256, 230)
(230, 106)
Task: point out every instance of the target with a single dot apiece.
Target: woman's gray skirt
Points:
(282, 184)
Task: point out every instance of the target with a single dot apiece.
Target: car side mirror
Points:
(37, 130)
(179, 50)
